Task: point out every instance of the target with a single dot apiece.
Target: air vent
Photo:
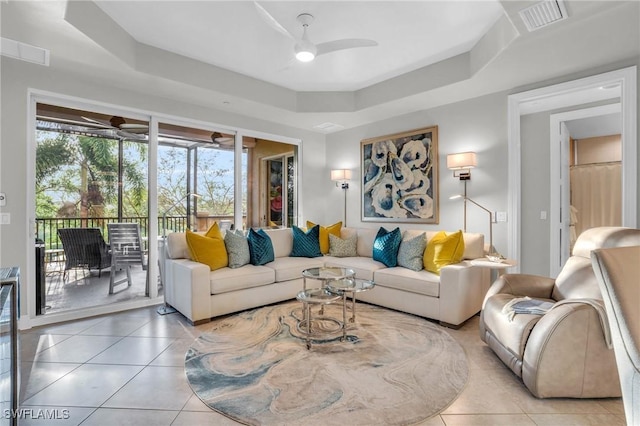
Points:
(542, 14)
(328, 127)
(24, 52)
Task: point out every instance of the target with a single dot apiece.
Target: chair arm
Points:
(462, 290)
(567, 356)
(534, 286)
(188, 288)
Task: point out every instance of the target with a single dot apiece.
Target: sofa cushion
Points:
(176, 246)
(290, 268)
(364, 267)
(339, 247)
(281, 240)
(443, 250)
(306, 244)
(421, 282)
(227, 279)
(260, 247)
(473, 245)
(325, 231)
(237, 248)
(411, 251)
(365, 241)
(385, 246)
(209, 248)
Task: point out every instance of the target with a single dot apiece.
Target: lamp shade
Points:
(461, 160)
(341, 174)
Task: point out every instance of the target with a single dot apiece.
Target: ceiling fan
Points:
(135, 131)
(305, 50)
(221, 139)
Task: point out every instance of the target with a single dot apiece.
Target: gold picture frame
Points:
(400, 177)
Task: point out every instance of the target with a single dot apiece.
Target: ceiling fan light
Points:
(305, 56)
(305, 50)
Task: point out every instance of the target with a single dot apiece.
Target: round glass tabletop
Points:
(328, 273)
(350, 285)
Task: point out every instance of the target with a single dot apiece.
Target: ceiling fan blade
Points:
(131, 136)
(271, 21)
(135, 128)
(95, 122)
(347, 43)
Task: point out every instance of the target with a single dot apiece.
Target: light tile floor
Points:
(128, 368)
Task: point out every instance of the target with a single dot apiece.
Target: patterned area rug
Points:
(393, 369)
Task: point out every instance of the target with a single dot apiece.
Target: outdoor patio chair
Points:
(126, 250)
(84, 248)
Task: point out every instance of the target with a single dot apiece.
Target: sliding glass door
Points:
(91, 171)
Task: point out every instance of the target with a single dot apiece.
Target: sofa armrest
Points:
(188, 289)
(462, 290)
(534, 286)
(567, 355)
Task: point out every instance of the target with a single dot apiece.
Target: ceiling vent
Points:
(544, 13)
(24, 52)
(328, 127)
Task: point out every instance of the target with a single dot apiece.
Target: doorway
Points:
(572, 93)
(587, 143)
(278, 191)
(91, 171)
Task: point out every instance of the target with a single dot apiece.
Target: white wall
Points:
(16, 239)
(478, 125)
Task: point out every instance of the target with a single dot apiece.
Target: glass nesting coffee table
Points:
(350, 286)
(320, 296)
(337, 284)
(326, 275)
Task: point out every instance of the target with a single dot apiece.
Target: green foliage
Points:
(76, 174)
(52, 155)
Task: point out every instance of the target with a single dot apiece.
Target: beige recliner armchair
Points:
(567, 351)
(618, 273)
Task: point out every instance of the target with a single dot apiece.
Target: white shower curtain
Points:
(596, 193)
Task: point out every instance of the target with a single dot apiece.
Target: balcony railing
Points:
(47, 228)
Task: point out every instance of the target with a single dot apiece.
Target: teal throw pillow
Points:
(237, 248)
(411, 253)
(306, 244)
(260, 247)
(385, 247)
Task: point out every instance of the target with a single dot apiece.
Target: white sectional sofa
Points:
(200, 294)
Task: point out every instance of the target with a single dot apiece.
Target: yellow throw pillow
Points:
(324, 234)
(443, 250)
(209, 248)
(214, 231)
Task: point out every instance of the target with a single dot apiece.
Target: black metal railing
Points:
(47, 228)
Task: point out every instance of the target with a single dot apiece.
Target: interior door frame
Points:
(627, 79)
(558, 189)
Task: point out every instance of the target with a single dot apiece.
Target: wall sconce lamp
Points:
(461, 164)
(340, 177)
(491, 249)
